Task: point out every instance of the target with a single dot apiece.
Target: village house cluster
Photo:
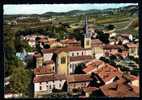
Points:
(57, 67)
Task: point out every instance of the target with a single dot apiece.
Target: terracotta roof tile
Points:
(78, 78)
(45, 78)
(88, 68)
(66, 49)
(91, 65)
(89, 89)
(132, 45)
(96, 42)
(50, 50)
(80, 58)
(94, 62)
(108, 46)
(49, 62)
(107, 72)
(42, 70)
(122, 90)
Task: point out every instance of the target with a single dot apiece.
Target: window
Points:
(59, 85)
(77, 53)
(82, 84)
(50, 87)
(40, 87)
(63, 60)
(70, 66)
(53, 85)
(72, 54)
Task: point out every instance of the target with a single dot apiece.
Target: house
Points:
(77, 82)
(105, 71)
(135, 85)
(133, 49)
(38, 58)
(44, 84)
(119, 88)
(97, 47)
(127, 36)
(108, 73)
(89, 90)
(109, 49)
(71, 42)
(92, 66)
(56, 44)
(44, 70)
(31, 39)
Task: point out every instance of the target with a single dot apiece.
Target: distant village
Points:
(85, 68)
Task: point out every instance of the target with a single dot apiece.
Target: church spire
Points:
(86, 26)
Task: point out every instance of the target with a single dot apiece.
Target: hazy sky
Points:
(42, 8)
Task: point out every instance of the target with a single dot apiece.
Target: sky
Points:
(42, 8)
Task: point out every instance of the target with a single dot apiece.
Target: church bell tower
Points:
(86, 43)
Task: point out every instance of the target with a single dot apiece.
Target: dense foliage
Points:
(20, 77)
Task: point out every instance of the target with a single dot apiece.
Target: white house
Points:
(44, 84)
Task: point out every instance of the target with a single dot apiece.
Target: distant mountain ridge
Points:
(131, 10)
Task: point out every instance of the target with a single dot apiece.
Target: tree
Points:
(113, 57)
(21, 44)
(104, 59)
(20, 80)
(110, 27)
(10, 60)
(103, 37)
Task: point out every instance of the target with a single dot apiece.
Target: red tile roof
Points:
(88, 68)
(94, 62)
(91, 65)
(66, 49)
(68, 41)
(122, 89)
(80, 58)
(49, 62)
(43, 70)
(45, 78)
(89, 89)
(78, 78)
(96, 42)
(132, 45)
(107, 72)
(108, 46)
(50, 50)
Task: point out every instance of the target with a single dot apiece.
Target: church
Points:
(66, 59)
